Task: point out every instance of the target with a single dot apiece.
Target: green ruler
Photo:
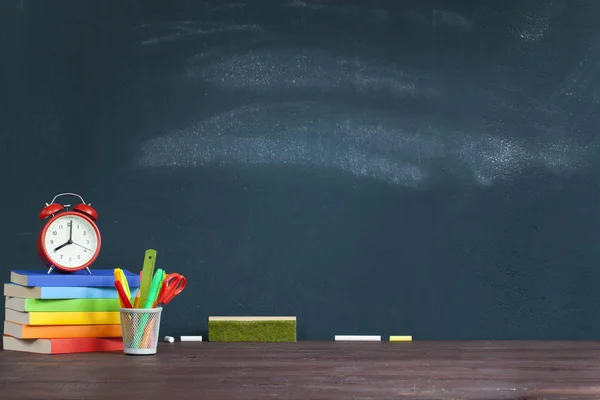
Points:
(147, 274)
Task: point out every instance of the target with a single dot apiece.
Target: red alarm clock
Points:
(70, 239)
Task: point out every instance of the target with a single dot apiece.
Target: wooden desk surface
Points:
(311, 370)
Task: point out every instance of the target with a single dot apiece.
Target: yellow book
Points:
(63, 317)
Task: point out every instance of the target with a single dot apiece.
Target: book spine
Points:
(69, 331)
(71, 281)
(62, 346)
(85, 345)
(74, 318)
(102, 278)
(82, 293)
(70, 305)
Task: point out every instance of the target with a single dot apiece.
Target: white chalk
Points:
(191, 338)
(169, 339)
(358, 338)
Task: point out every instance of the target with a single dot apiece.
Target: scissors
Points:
(172, 285)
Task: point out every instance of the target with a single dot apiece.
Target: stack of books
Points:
(60, 312)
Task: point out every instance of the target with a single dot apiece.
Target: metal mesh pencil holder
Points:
(140, 328)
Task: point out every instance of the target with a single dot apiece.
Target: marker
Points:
(169, 339)
(358, 338)
(124, 283)
(154, 287)
(118, 279)
(191, 338)
(163, 282)
(400, 338)
(124, 300)
(137, 296)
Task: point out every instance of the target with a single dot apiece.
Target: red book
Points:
(62, 346)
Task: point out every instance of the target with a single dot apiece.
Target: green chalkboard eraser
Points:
(251, 329)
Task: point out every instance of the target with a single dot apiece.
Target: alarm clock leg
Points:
(50, 269)
(88, 270)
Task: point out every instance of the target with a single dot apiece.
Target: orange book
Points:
(60, 331)
(62, 346)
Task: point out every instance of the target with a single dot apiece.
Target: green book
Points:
(50, 305)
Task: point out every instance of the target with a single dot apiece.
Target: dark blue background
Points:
(449, 258)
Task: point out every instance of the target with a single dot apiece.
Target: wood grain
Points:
(314, 370)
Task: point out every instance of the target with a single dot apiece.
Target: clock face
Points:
(70, 241)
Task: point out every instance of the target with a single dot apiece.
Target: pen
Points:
(156, 280)
(118, 279)
(122, 295)
(136, 301)
(162, 287)
(137, 296)
(154, 287)
(125, 283)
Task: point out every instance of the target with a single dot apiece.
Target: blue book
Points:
(61, 292)
(98, 278)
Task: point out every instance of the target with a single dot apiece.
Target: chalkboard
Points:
(425, 168)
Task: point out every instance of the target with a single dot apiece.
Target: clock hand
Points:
(81, 246)
(70, 236)
(63, 245)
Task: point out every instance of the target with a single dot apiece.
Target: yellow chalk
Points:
(400, 338)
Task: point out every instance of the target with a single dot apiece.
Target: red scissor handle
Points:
(172, 285)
